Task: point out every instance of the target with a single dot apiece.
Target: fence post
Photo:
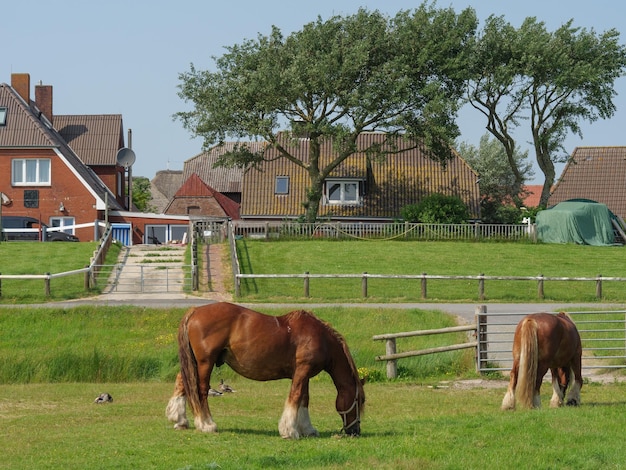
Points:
(540, 287)
(599, 286)
(364, 285)
(423, 285)
(481, 286)
(86, 279)
(237, 286)
(481, 336)
(46, 282)
(0, 286)
(392, 365)
(306, 284)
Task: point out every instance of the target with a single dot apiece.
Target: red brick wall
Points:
(66, 188)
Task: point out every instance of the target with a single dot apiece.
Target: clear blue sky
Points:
(124, 57)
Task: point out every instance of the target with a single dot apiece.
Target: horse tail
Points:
(529, 358)
(188, 364)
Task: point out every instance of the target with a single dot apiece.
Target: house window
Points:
(66, 224)
(3, 116)
(282, 185)
(343, 192)
(30, 171)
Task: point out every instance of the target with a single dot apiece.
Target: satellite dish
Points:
(125, 157)
(5, 200)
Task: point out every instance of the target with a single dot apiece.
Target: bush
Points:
(437, 209)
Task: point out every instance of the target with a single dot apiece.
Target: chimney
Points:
(20, 82)
(43, 100)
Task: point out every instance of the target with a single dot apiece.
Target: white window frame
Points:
(62, 222)
(21, 167)
(344, 193)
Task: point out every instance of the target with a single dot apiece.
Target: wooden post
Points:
(540, 287)
(481, 336)
(306, 284)
(481, 286)
(46, 282)
(424, 285)
(364, 285)
(392, 365)
(237, 286)
(86, 279)
(599, 286)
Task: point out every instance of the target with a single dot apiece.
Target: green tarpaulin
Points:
(584, 223)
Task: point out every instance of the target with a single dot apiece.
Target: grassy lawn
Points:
(406, 426)
(41, 258)
(435, 258)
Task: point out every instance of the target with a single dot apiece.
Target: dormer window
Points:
(3, 115)
(343, 192)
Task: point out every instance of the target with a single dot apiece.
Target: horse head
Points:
(351, 417)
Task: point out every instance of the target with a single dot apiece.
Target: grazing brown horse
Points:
(294, 346)
(545, 341)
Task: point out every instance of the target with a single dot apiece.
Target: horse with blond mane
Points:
(545, 341)
(295, 346)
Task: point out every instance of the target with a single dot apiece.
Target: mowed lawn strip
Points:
(434, 258)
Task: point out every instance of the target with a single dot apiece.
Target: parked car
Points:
(33, 230)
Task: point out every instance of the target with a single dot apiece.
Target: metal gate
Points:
(146, 278)
(603, 335)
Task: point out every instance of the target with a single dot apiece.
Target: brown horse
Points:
(297, 346)
(545, 341)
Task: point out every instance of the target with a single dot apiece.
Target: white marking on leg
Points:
(204, 424)
(557, 394)
(536, 400)
(303, 423)
(508, 402)
(176, 412)
(287, 424)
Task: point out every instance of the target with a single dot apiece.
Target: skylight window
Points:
(3, 115)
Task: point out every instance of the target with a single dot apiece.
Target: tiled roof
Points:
(195, 189)
(532, 195)
(163, 187)
(224, 180)
(596, 173)
(402, 178)
(26, 127)
(95, 138)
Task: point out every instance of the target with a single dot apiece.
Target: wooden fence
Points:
(603, 334)
(423, 278)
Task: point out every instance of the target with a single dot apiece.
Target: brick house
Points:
(62, 170)
(40, 173)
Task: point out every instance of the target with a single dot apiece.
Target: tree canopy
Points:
(335, 79)
(553, 80)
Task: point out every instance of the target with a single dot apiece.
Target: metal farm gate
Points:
(603, 335)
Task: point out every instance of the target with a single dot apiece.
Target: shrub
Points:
(437, 209)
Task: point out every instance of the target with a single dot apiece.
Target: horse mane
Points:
(342, 341)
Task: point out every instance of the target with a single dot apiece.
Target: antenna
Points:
(125, 157)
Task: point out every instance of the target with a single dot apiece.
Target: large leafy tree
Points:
(498, 184)
(553, 80)
(334, 79)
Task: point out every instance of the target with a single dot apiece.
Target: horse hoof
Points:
(181, 426)
(572, 403)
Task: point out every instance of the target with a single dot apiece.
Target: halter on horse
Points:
(545, 341)
(297, 345)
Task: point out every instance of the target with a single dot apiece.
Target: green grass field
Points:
(435, 258)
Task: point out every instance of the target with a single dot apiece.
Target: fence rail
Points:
(603, 334)
(480, 278)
